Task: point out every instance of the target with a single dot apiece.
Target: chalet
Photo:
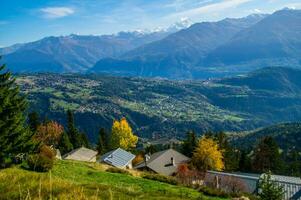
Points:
(248, 182)
(118, 158)
(163, 162)
(81, 154)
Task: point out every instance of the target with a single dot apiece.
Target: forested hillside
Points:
(169, 108)
(287, 135)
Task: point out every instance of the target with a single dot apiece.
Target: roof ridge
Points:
(161, 153)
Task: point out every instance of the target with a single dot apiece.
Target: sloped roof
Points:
(291, 185)
(118, 158)
(286, 179)
(81, 154)
(236, 174)
(160, 162)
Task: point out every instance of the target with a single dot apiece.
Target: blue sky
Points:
(29, 20)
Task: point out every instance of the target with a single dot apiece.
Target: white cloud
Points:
(56, 12)
(293, 5)
(256, 10)
(209, 8)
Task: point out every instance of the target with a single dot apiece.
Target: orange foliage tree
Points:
(49, 133)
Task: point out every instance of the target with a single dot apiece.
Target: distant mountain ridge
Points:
(176, 55)
(203, 50)
(275, 40)
(73, 53)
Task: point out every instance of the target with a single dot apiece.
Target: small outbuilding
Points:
(118, 158)
(81, 154)
(164, 162)
(247, 182)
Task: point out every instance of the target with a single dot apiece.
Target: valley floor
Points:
(75, 180)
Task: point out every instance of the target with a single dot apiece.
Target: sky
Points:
(29, 20)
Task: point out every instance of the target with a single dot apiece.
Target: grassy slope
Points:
(73, 180)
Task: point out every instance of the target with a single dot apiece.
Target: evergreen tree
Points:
(231, 155)
(150, 149)
(83, 140)
(189, 144)
(72, 131)
(244, 162)
(294, 160)
(65, 145)
(102, 144)
(15, 137)
(269, 190)
(267, 156)
(33, 121)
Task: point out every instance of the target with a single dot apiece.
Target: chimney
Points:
(172, 161)
(147, 157)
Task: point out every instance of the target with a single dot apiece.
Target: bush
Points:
(42, 161)
(214, 192)
(161, 178)
(117, 170)
(39, 163)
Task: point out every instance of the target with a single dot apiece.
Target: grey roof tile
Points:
(118, 158)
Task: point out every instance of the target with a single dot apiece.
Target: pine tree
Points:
(122, 135)
(65, 145)
(83, 140)
(244, 162)
(294, 160)
(190, 143)
(269, 190)
(231, 156)
(15, 137)
(102, 144)
(267, 156)
(151, 149)
(72, 131)
(33, 121)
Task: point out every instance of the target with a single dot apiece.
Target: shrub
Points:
(138, 159)
(214, 192)
(268, 189)
(233, 185)
(39, 163)
(42, 161)
(161, 178)
(117, 170)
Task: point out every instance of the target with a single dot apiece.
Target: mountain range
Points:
(202, 50)
(77, 53)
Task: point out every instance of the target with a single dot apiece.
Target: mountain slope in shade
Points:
(31, 61)
(175, 55)
(74, 53)
(287, 135)
(274, 41)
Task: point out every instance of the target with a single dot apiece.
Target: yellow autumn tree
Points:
(207, 155)
(122, 135)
